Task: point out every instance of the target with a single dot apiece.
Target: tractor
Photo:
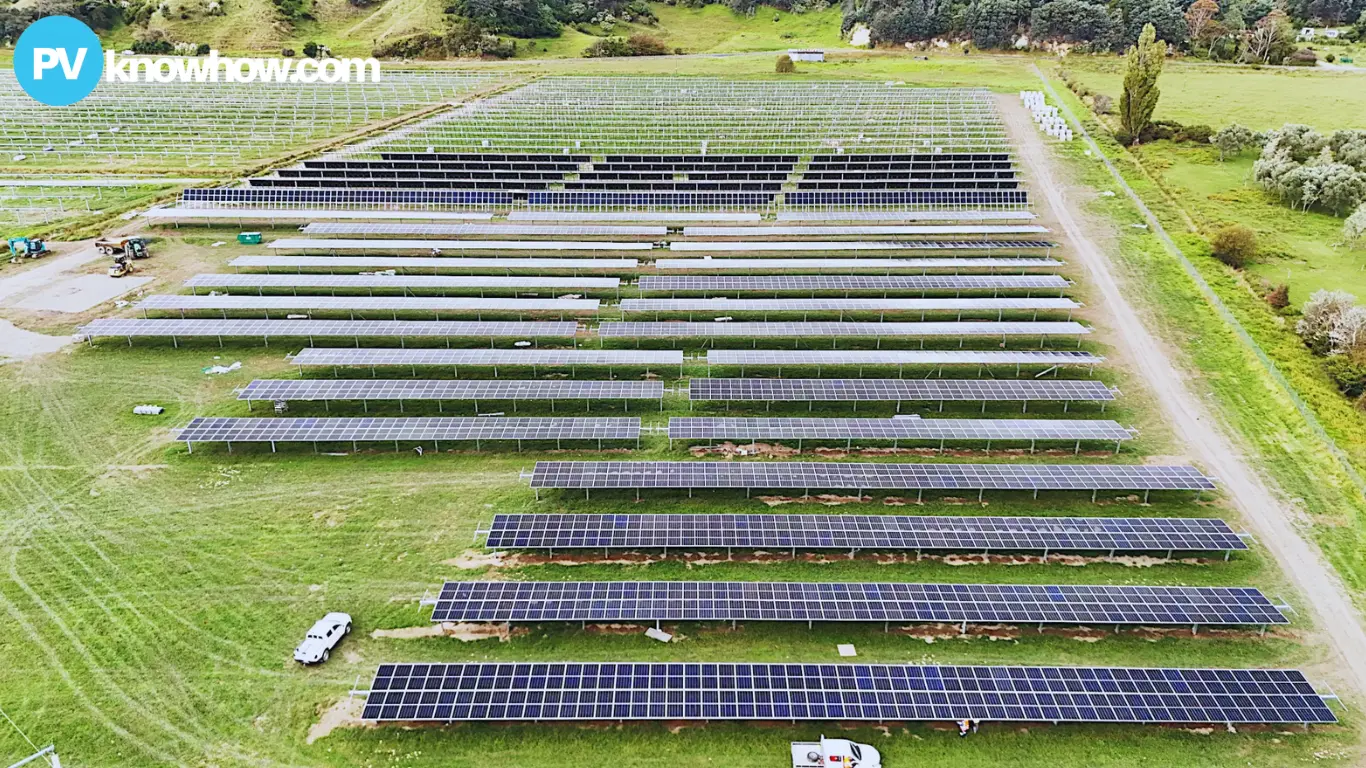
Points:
(134, 247)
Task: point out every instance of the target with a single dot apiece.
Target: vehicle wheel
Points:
(348, 630)
(326, 654)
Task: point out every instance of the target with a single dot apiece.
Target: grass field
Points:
(1216, 95)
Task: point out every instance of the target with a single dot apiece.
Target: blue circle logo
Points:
(58, 60)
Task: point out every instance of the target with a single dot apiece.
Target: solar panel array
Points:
(366, 303)
(860, 245)
(679, 329)
(457, 357)
(857, 265)
(938, 357)
(525, 230)
(288, 390)
(342, 244)
(802, 283)
(438, 263)
(711, 428)
(932, 390)
(506, 601)
(809, 474)
(404, 282)
(853, 532)
(324, 328)
(288, 430)
(849, 305)
(877, 692)
(865, 230)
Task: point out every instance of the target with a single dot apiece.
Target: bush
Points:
(607, 47)
(1304, 57)
(288, 53)
(785, 65)
(1174, 131)
(1103, 105)
(1235, 245)
(1349, 373)
(153, 47)
(1330, 58)
(1279, 298)
(202, 49)
(311, 49)
(645, 45)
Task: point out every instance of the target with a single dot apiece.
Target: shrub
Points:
(202, 49)
(1304, 57)
(1235, 245)
(288, 53)
(1233, 139)
(785, 65)
(645, 45)
(1330, 58)
(1354, 228)
(1279, 298)
(311, 49)
(607, 47)
(1102, 104)
(1321, 316)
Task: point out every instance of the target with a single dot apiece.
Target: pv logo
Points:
(58, 60)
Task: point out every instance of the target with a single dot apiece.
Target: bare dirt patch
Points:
(19, 344)
(824, 499)
(464, 632)
(343, 714)
(472, 559)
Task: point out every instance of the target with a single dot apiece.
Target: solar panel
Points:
(905, 215)
(659, 215)
(508, 601)
(872, 230)
(326, 328)
(810, 474)
(526, 230)
(854, 532)
(609, 330)
(287, 390)
(443, 283)
(304, 214)
(458, 357)
(849, 305)
(853, 265)
(859, 245)
(888, 390)
(775, 357)
(365, 303)
(905, 283)
(341, 244)
(290, 430)
(903, 428)
(878, 692)
(448, 264)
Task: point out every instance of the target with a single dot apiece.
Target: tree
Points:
(785, 65)
(1235, 245)
(1232, 139)
(1071, 21)
(1166, 17)
(1349, 146)
(1269, 39)
(1320, 317)
(993, 23)
(1143, 65)
(1198, 18)
(1354, 229)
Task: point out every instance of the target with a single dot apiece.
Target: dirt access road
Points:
(1204, 437)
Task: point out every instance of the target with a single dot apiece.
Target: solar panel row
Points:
(708, 428)
(436, 263)
(377, 244)
(724, 305)
(852, 532)
(794, 283)
(806, 474)
(326, 328)
(830, 390)
(885, 266)
(289, 430)
(505, 601)
(681, 329)
(403, 282)
(290, 390)
(879, 692)
(365, 303)
(483, 357)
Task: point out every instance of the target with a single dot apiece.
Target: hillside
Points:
(252, 26)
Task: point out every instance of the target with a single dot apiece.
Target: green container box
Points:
(249, 238)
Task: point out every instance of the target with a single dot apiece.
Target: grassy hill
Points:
(253, 26)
